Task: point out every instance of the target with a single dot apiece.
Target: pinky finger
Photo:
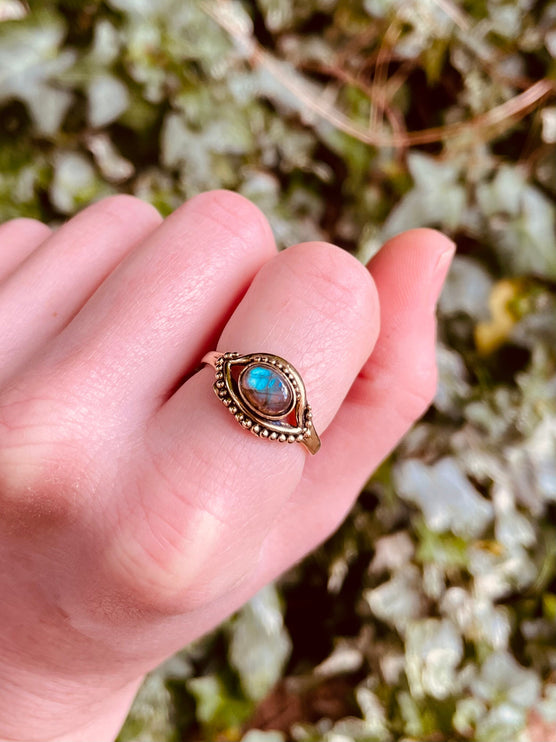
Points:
(18, 239)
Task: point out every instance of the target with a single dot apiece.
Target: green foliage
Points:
(432, 613)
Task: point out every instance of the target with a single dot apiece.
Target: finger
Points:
(91, 391)
(151, 321)
(39, 299)
(209, 490)
(18, 239)
(394, 388)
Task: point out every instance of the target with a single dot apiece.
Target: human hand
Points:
(136, 514)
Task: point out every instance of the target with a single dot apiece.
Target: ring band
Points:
(266, 395)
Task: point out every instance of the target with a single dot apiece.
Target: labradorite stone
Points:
(266, 389)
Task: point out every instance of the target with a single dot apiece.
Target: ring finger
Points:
(206, 490)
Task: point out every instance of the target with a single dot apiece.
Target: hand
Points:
(136, 514)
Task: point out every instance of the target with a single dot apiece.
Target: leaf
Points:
(433, 650)
(436, 199)
(446, 497)
(503, 680)
(108, 99)
(259, 645)
(217, 709)
(150, 717)
(32, 61)
(254, 735)
(74, 183)
(443, 549)
(478, 619)
(392, 552)
(492, 333)
(467, 289)
(398, 601)
(522, 220)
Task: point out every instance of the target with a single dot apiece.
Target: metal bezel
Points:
(226, 388)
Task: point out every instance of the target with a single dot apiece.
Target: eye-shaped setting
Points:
(266, 395)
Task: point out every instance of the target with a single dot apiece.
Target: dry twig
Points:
(489, 124)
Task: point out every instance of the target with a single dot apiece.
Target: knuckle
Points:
(162, 593)
(170, 555)
(33, 228)
(43, 463)
(339, 281)
(144, 590)
(160, 569)
(235, 215)
(122, 208)
(147, 550)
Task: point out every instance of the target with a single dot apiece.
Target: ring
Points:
(266, 395)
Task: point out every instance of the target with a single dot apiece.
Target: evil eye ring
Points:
(266, 395)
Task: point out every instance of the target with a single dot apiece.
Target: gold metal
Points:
(275, 427)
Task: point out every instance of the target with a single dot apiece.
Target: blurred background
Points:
(431, 614)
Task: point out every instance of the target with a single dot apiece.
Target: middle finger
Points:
(152, 319)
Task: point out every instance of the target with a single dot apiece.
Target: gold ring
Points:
(266, 395)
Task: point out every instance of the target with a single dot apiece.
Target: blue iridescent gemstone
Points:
(266, 390)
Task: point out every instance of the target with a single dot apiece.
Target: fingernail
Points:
(440, 270)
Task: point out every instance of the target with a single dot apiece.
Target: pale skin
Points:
(136, 514)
